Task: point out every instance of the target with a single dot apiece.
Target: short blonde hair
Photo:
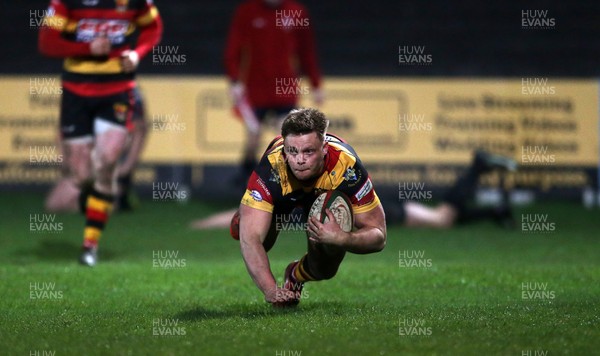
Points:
(305, 120)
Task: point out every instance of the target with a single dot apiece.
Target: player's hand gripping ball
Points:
(339, 204)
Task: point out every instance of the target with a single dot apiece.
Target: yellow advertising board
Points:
(395, 121)
(537, 121)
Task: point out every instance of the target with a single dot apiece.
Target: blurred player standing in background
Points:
(270, 44)
(96, 40)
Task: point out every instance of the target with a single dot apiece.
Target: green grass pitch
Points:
(475, 290)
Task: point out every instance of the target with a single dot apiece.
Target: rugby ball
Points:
(340, 206)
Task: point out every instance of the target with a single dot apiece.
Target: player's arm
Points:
(254, 226)
(255, 221)
(369, 235)
(151, 29)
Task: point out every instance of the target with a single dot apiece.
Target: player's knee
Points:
(107, 158)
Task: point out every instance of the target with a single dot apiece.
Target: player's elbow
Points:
(380, 242)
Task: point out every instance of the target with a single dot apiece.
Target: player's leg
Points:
(63, 196)
(420, 215)
(135, 146)
(321, 262)
(459, 195)
(216, 221)
(76, 145)
(253, 129)
(253, 134)
(249, 160)
(111, 132)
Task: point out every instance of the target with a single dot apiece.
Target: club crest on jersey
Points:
(120, 111)
(352, 176)
(275, 177)
(122, 5)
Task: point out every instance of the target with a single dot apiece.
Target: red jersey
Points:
(70, 26)
(267, 48)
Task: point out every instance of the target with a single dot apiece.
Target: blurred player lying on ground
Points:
(68, 196)
(297, 167)
(453, 209)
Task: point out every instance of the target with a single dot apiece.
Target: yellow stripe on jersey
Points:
(333, 179)
(85, 66)
(357, 209)
(278, 163)
(56, 22)
(148, 17)
(250, 199)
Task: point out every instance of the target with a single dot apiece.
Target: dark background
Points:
(465, 38)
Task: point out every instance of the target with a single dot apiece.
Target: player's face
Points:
(305, 155)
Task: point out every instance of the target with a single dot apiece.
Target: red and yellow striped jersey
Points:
(70, 26)
(272, 185)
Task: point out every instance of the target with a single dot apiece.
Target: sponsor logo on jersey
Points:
(90, 2)
(255, 194)
(263, 186)
(114, 30)
(364, 190)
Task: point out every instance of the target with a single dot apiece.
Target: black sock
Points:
(124, 187)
